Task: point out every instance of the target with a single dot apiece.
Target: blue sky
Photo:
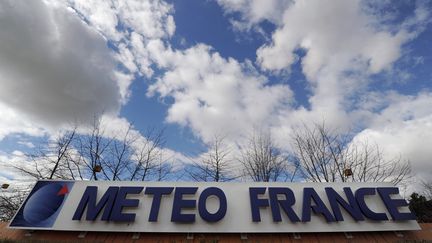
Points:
(201, 68)
(206, 22)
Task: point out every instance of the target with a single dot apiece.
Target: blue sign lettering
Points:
(157, 193)
(89, 200)
(180, 203)
(393, 204)
(310, 194)
(360, 198)
(286, 204)
(122, 202)
(351, 206)
(115, 199)
(256, 202)
(220, 213)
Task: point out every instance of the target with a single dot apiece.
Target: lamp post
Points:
(347, 172)
(97, 168)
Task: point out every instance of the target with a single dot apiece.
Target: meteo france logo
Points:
(42, 206)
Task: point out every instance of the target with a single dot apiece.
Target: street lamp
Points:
(348, 172)
(97, 168)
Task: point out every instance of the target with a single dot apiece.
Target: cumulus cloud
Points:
(213, 94)
(12, 121)
(338, 33)
(402, 139)
(403, 128)
(343, 44)
(55, 63)
(151, 19)
(253, 12)
(53, 67)
(343, 47)
(56, 66)
(129, 24)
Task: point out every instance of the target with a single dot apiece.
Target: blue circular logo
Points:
(44, 203)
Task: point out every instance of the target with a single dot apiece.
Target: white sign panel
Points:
(214, 207)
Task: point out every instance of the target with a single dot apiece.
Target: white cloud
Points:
(12, 121)
(252, 12)
(151, 19)
(213, 94)
(99, 14)
(343, 43)
(123, 81)
(56, 68)
(53, 67)
(55, 63)
(140, 53)
(404, 128)
(337, 34)
(343, 46)
(130, 25)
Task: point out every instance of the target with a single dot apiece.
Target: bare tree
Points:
(163, 169)
(215, 164)
(50, 158)
(119, 156)
(10, 201)
(93, 148)
(62, 147)
(325, 156)
(427, 188)
(262, 160)
(149, 157)
(95, 156)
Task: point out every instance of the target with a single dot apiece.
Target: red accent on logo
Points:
(64, 190)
